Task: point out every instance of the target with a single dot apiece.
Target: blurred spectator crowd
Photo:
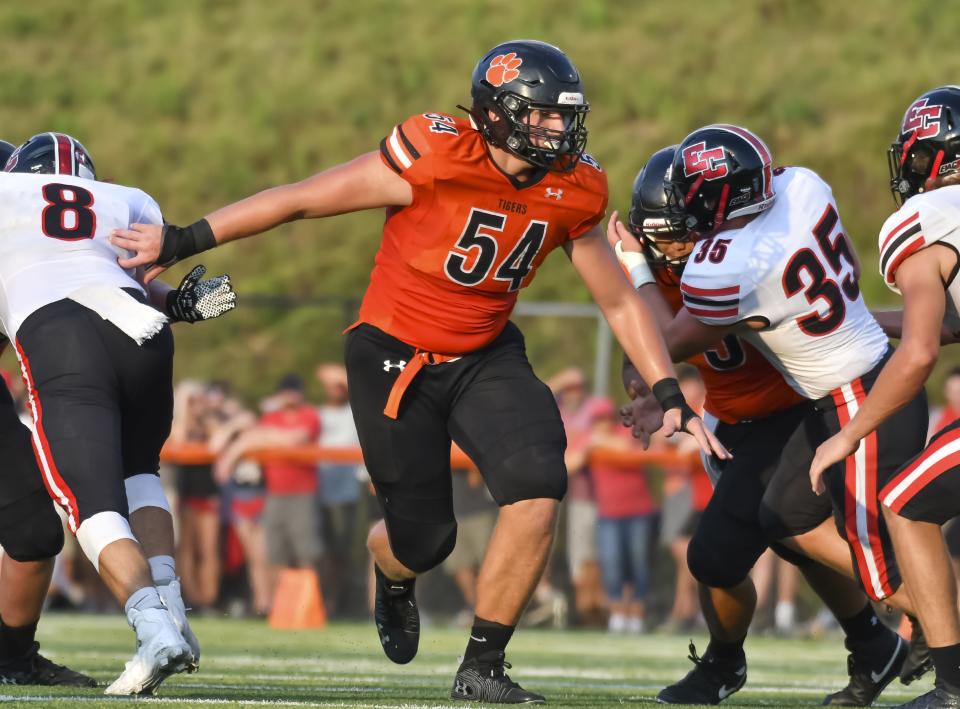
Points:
(620, 560)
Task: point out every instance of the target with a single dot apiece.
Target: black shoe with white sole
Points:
(397, 617)
(871, 666)
(709, 682)
(483, 679)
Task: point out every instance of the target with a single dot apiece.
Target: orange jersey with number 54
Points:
(451, 263)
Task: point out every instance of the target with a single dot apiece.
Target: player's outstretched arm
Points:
(636, 329)
(919, 279)
(362, 183)
(892, 323)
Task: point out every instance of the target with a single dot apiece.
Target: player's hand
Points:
(144, 240)
(673, 422)
(196, 300)
(618, 232)
(643, 414)
(830, 452)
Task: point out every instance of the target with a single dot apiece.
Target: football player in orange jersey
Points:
(754, 412)
(473, 207)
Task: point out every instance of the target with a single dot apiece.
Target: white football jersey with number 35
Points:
(791, 268)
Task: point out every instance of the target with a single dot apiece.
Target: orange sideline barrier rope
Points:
(199, 454)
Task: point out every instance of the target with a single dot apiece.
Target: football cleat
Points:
(397, 617)
(483, 679)
(708, 682)
(940, 697)
(871, 666)
(161, 652)
(34, 669)
(170, 594)
(918, 661)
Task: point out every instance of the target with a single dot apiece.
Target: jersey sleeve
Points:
(144, 209)
(409, 149)
(719, 294)
(902, 234)
(596, 208)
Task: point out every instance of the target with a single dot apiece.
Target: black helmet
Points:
(52, 154)
(928, 144)
(648, 219)
(6, 150)
(516, 77)
(720, 172)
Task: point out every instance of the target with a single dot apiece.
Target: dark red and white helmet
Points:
(719, 172)
(52, 154)
(928, 143)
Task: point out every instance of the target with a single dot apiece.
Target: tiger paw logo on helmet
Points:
(503, 69)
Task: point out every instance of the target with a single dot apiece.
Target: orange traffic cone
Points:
(298, 601)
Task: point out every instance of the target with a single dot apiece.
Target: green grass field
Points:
(247, 664)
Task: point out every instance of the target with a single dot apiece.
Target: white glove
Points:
(201, 300)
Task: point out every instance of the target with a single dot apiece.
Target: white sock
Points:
(783, 615)
(142, 599)
(163, 568)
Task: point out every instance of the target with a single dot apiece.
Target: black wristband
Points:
(668, 394)
(183, 242)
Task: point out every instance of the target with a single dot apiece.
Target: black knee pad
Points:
(723, 549)
(531, 473)
(30, 529)
(422, 530)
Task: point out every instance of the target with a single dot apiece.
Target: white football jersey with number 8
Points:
(54, 233)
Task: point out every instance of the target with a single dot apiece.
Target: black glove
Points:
(201, 300)
(669, 395)
(179, 243)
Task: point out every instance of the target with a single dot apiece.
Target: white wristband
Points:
(636, 265)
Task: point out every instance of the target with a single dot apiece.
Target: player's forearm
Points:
(157, 292)
(902, 377)
(635, 327)
(257, 213)
(891, 321)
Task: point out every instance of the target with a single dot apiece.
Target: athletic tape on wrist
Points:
(636, 265)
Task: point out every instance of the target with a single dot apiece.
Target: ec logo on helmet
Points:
(922, 119)
(503, 69)
(697, 159)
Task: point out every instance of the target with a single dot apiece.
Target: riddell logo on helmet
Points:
(922, 120)
(503, 69)
(697, 159)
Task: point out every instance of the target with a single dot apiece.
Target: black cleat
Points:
(398, 620)
(482, 679)
(871, 666)
(707, 683)
(940, 697)
(918, 661)
(34, 669)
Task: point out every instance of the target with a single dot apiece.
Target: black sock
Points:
(16, 642)
(946, 660)
(862, 627)
(485, 636)
(730, 654)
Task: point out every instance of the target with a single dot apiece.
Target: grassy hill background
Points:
(200, 103)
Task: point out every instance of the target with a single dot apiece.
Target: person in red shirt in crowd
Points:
(291, 514)
(625, 521)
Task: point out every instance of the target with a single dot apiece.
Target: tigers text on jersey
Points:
(927, 218)
(791, 268)
(451, 263)
(54, 233)
(741, 384)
